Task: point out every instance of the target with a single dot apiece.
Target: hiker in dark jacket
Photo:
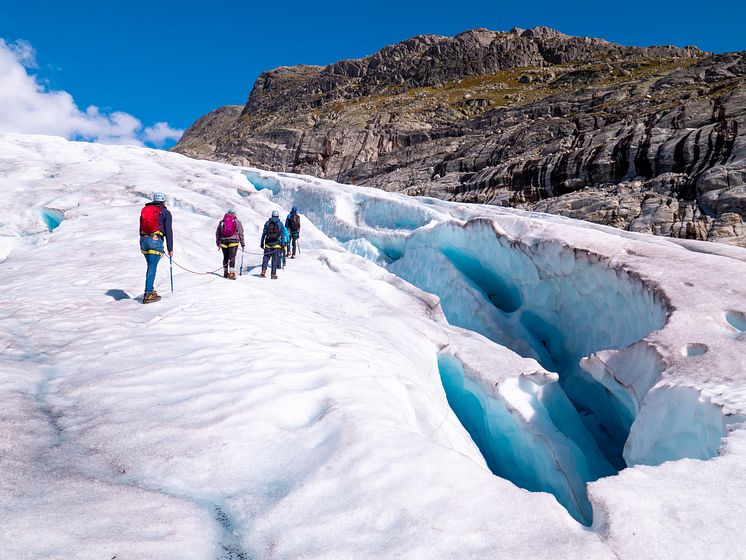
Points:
(292, 223)
(272, 244)
(155, 224)
(228, 236)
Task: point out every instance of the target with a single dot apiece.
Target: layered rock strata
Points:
(645, 139)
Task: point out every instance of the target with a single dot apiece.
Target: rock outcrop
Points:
(645, 139)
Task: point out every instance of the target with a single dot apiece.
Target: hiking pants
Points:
(274, 254)
(229, 256)
(294, 239)
(152, 260)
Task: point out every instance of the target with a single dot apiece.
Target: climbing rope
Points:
(221, 267)
(195, 272)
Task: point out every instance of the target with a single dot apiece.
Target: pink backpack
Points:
(228, 226)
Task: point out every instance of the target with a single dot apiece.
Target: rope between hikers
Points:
(220, 268)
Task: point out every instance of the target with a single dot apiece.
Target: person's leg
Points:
(152, 261)
(295, 241)
(232, 263)
(275, 262)
(265, 259)
(226, 260)
(232, 255)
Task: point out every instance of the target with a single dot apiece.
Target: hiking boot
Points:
(150, 297)
(292, 257)
(274, 277)
(263, 274)
(231, 275)
(226, 274)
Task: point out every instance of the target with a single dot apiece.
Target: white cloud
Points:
(24, 52)
(160, 133)
(28, 106)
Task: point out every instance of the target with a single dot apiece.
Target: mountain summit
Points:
(644, 139)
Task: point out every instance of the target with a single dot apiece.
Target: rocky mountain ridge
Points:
(645, 139)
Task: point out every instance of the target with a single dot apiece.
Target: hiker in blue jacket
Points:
(285, 242)
(271, 242)
(228, 236)
(292, 222)
(155, 224)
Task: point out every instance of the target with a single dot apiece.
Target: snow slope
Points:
(322, 415)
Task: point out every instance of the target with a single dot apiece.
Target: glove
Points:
(261, 245)
(242, 248)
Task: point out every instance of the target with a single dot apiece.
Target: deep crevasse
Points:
(573, 311)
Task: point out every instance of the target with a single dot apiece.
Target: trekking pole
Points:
(171, 261)
(240, 270)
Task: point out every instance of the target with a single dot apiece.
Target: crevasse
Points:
(571, 310)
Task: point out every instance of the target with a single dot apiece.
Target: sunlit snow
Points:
(394, 394)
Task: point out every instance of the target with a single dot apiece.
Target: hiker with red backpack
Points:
(272, 244)
(292, 223)
(228, 237)
(155, 224)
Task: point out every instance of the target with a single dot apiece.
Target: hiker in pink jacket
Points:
(228, 237)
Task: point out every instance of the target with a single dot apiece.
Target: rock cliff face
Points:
(645, 139)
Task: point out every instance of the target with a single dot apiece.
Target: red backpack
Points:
(149, 217)
(228, 226)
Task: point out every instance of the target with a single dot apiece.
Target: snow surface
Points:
(322, 415)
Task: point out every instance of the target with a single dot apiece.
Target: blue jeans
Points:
(151, 243)
(152, 261)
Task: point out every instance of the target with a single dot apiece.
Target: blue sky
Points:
(175, 61)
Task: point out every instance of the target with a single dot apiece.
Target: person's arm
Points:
(217, 235)
(264, 234)
(239, 229)
(287, 221)
(168, 231)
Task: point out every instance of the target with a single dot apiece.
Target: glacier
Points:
(448, 380)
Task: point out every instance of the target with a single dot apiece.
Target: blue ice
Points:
(52, 218)
(262, 182)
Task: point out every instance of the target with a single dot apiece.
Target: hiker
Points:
(285, 242)
(271, 243)
(155, 224)
(228, 236)
(292, 222)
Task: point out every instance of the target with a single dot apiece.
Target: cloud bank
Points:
(28, 106)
